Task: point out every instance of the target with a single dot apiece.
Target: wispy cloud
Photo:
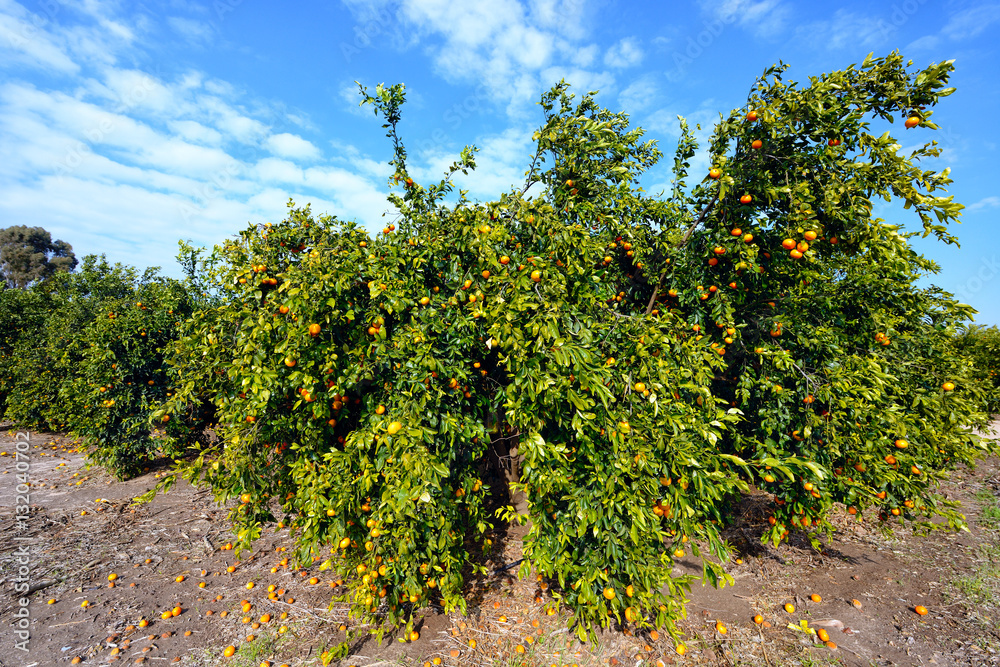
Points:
(505, 46)
(625, 53)
(764, 18)
(847, 29)
(972, 22)
(292, 146)
(182, 155)
(985, 203)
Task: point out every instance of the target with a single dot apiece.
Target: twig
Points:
(701, 217)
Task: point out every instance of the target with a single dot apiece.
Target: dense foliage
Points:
(85, 355)
(638, 360)
(982, 346)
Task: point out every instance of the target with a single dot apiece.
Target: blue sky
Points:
(125, 126)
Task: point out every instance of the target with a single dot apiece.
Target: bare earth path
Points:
(81, 527)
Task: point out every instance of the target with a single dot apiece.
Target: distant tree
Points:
(29, 255)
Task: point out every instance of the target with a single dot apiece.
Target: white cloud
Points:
(764, 18)
(846, 30)
(191, 30)
(22, 43)
(292, 146)
(270, 170)
(639, 94)
(972, 22)
(195, 132)
(985, 203)
(504, 46)
(625, 53)
(926, 42)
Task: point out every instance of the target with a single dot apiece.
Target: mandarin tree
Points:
(92, 365)
(631, 362)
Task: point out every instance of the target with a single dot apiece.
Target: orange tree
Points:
(639, 360)
(91, 362)
(982, 345)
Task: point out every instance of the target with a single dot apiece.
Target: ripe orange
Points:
(414, 636)
(536, 276)
(609, 593)
(823, 635)
(752, 116)
(757, 143)
(810, 235)
(815, 598)
(748, 238)
(394, 428)
(720, 628)
(758, 619)
(912, 121)
(789, 607)
(505, 260)
(920, 609)
(229, 651)
(948, 386)
(746, 199)
(788, 244)
(714, 173)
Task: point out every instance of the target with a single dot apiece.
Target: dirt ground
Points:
(83, 529)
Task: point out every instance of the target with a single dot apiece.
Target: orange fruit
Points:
(920, 609)
(752, 116)
(948, 386)
(815, 598)
(789, 607)
(823, 635)
(714, 173)
(912, 121)
(229, 651)
(746, 199)
(609, 593)
(788, 244)
(758, 619)
(536, 276)
(414, 636)
(757, 143)
(314, 329)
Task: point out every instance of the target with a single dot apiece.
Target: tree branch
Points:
(687, 237)
(701, 217)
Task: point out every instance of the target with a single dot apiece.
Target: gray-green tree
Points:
(28, 255)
